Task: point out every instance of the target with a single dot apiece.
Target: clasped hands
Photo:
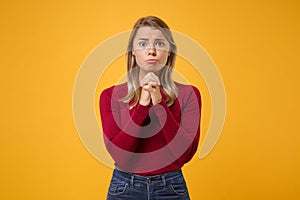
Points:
(150, 91)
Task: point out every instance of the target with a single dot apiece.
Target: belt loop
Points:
(131, 180)
(163, 180)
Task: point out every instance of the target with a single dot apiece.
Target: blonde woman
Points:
(151, 124)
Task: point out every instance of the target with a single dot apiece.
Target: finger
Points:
(155, 78)
(152, 77)
(147, 80)
(144, 81)
(147, 87)
(152, 84)
(157, 87)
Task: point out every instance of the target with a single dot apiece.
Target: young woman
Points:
(151, 124)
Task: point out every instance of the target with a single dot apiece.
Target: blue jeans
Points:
(168, 186)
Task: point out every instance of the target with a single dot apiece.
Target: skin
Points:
(151, 51)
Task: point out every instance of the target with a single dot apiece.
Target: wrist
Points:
(157, 101)
(144, 103)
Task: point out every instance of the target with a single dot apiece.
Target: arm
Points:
(117, 138)
(182, 136)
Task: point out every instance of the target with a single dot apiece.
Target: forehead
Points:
(149, 32)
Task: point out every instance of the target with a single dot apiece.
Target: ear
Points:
(133, 52)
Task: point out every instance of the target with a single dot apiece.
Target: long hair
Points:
(167, 84)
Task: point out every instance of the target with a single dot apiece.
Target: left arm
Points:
(184, 135)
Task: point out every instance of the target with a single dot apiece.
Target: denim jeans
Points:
(168, 186)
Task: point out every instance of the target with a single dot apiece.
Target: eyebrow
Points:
(160, 39)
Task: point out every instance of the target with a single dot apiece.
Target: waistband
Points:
(126, 176)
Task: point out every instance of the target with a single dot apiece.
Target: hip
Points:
(167, 186)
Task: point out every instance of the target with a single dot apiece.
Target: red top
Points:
(154, 139)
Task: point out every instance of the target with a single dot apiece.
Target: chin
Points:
(152, 68)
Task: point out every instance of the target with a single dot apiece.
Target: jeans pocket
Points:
(178, 186)
(117, 187)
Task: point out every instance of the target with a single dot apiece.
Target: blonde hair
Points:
(167, 84)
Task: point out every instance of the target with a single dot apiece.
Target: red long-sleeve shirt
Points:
(154, 139)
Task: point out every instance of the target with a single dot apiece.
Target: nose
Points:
(152, 51)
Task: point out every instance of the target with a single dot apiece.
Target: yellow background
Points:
(255, 45)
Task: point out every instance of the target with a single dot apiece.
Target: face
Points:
(151, 50)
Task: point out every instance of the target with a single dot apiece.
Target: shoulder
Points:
(117, 91)
(188, 95)
(186, 89)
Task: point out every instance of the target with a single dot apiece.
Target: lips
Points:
(151, 61)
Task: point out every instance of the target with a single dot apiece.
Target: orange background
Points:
(255, 45)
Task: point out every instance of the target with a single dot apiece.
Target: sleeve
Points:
(186, 132)
(118, 142)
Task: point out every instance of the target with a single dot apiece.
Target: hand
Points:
(150, 90)
(145, 98)
(150, 77)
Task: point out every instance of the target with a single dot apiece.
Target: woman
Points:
(150, 124)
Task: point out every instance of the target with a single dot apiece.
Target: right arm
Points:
(117, 138)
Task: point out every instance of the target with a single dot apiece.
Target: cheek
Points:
(164, 57)
(139, 57)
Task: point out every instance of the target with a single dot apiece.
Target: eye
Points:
(142, 44)
(160, 44)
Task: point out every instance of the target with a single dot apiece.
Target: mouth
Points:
(151, 61)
